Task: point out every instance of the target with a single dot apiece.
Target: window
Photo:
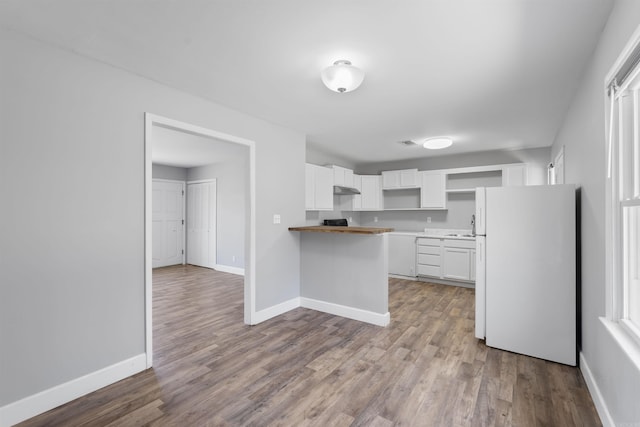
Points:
(623, 179)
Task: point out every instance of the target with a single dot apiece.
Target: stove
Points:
(339, 222)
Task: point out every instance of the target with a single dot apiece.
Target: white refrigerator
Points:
(526, 270)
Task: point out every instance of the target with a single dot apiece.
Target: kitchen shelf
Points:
(415, 209)
(460, 190)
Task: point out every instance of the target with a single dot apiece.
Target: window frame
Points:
(617, 311)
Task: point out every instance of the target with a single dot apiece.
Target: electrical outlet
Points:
(428, 220)
(233, 258)
(276, 219)
(350, 219)
(375, 219)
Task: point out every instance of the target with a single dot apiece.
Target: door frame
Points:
(249, 279)
(184, 212)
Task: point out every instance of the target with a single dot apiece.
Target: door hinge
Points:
(183, 192)
(183, 252)
(183, 222)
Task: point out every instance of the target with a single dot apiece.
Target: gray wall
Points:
(72, 259)
(232, 190)
(317, 156)
(168, 172)
(583, 136)
(342, 208)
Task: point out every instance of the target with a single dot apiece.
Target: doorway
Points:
(153, 126)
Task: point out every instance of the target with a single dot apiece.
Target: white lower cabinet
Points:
(429, 256)
(402, 250)
(456, 264)
(451, 259)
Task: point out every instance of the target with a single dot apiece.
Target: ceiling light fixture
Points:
(342, 76)
(437, 143)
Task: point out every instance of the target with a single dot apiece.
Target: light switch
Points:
(276, 219)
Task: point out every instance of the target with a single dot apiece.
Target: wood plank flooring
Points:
(307, 368)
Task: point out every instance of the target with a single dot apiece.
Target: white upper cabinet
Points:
(514, 175)
(309, 187)
(357, 198)
(371, 193)
(398, 179)
(433, 190)
(342, 176)
(370, 197)
(319, 188)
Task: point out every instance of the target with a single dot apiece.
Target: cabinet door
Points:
(514, 175)
(402, 255)
(404, 178)
(432, 191)
(409, 178)
(390, 179)
(338, 175)
(323, 188)
(456, 263)
(348, 178)
(309, 187)
(371, 192)
(357, 198)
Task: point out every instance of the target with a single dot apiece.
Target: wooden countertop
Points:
(348, 230)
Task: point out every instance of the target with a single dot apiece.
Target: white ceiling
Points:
(185, 150)
(493, 74)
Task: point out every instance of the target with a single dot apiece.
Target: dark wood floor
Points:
(310, 368)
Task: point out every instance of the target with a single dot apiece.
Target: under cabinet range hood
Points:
(344, 191)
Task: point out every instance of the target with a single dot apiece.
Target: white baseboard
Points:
(275, 310)
(38, 403)
(596, 395)
(228, 269)
(345, 311)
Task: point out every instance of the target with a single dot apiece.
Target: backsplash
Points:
(457, 216)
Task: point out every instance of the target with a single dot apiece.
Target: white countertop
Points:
(439, 233)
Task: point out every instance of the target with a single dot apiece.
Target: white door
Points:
(201, 223)
(167, 223)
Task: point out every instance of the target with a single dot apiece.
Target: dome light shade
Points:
(342, 76)
(437, 143)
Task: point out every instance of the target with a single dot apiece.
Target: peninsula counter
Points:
(344, 271)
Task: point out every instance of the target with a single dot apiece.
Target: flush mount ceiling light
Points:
(437, 143)
(342, 76)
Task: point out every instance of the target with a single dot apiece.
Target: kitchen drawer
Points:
(433, 250)
(428, 259)
(429, 241)
(456, 243)
(429, 270)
